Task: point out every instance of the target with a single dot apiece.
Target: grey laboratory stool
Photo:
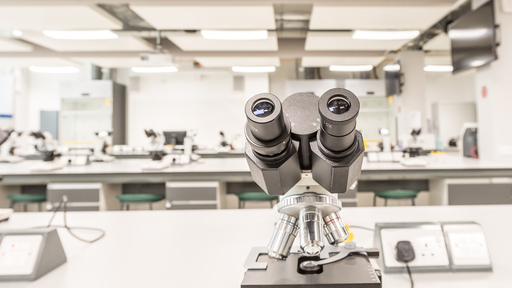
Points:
(127, 199)
(255, 197)
(395, 194)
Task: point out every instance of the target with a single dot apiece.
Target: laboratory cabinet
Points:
(88, 107)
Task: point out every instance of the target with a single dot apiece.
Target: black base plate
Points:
(355, 271)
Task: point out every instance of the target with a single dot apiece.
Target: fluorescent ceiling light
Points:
(438, 68)
(385, 35)
(54, 70)
(467, 33)
(350, 68)
(392, 67)
(17, 33)
(80, 34)
(161, 69)
(235, 35)
(253, 69)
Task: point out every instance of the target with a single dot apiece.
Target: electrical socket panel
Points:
(467, 246)
(448, 246)
(427, 241)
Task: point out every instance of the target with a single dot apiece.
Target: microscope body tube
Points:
(334, 229)
(311, 231)
(283, 237)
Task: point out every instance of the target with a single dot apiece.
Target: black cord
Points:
(361, 227)
(410, 275)
(63, 205)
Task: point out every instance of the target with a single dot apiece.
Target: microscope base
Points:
(353, 271)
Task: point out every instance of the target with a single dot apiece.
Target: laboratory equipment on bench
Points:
(7, 145)
(101, 144)
(163, 159)
(412, 148)
(306, 150)
(468, 139)
(47, 146)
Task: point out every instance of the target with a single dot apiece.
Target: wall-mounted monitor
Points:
(473, 38)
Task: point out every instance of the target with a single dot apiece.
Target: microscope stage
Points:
(353, 271)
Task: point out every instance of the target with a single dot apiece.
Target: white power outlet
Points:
(427, 241)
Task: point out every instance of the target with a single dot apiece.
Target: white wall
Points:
(207, 103)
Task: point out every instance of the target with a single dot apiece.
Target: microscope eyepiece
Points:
(338, 110)
(265, 117)
(267, 130)
(338, 104)
(263, 108)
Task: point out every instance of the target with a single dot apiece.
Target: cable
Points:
(63, 205)
(410, 275)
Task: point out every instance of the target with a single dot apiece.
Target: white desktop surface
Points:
(208, 248)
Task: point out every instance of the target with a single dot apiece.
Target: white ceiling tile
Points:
(208, 17)
(196, 42)
(328, 61)
(36, 61)
(238, 61)
(438, 60)
(440, 42)
(123, 43)
(63, 17)
(13, 45)
(375, 17)
(330, 41)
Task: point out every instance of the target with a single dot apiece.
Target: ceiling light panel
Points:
(376, 17)
(12, 45)
(123, 43)
(331, 41)
(208, 17)
(440, 42)
(36, 61)
(238, 61)
(117, 62)
(328, 61)
(196, 42)
(59, 17)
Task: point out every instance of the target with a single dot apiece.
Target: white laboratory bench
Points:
(208, 248)
(237, 170)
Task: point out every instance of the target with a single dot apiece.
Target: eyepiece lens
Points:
(263, 108)
(338, 105)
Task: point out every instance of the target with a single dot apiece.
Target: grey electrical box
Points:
(26, 255)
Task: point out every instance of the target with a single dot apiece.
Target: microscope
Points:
(156, 144)
(47, 146)
(7, 146)
(306, 150)
(100, 147)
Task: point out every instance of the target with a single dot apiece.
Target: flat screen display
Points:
(473, 38)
